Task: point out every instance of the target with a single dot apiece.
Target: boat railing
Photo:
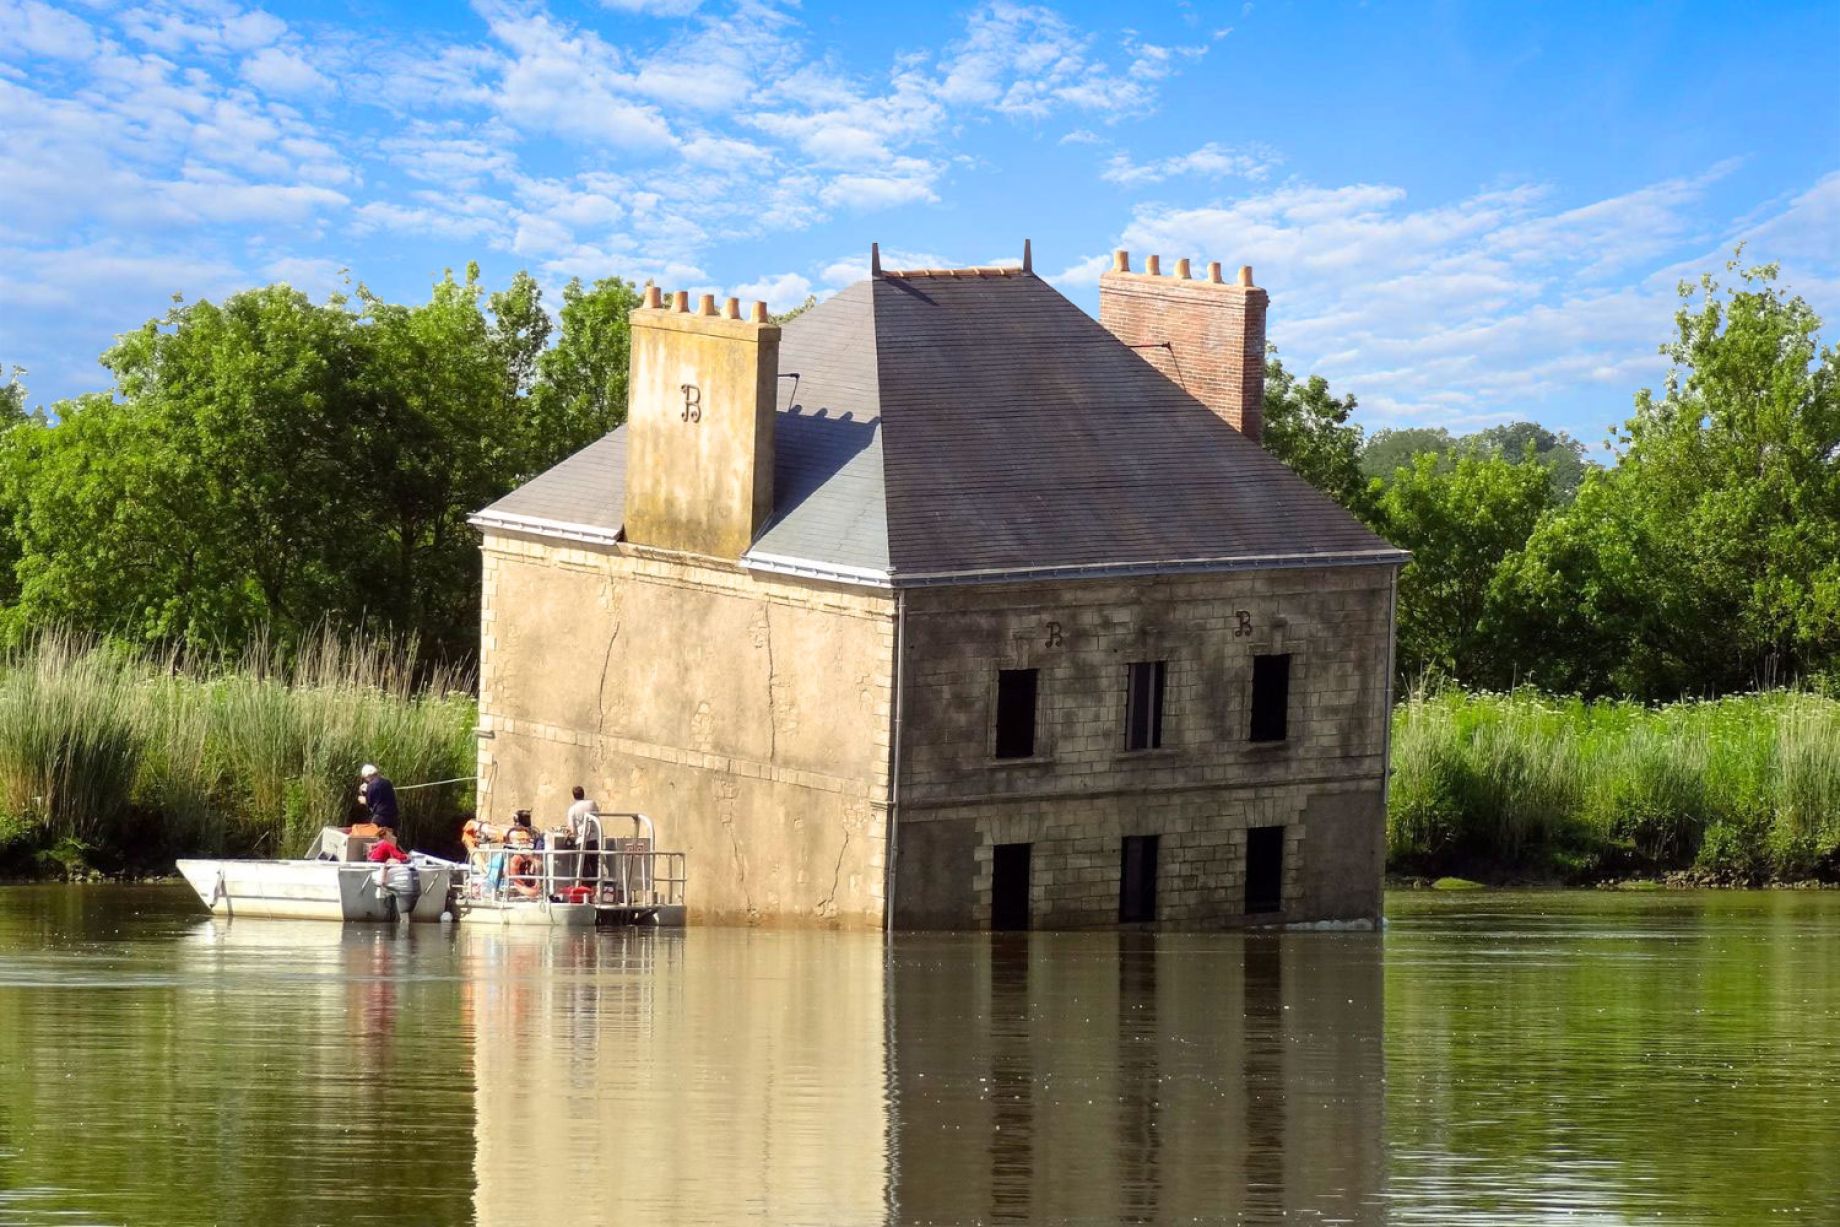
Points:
(626, 872)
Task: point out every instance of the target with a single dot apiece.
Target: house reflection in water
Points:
(1137, 1077)
(706, 1075)
(718, 1075)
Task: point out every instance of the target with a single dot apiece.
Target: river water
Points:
(1496, 1058)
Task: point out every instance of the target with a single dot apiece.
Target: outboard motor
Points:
(401, 884)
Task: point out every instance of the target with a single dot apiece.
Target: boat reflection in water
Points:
(716, 1075)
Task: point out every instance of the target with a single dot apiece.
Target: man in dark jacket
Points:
(378, 796)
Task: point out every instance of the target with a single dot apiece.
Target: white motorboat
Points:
(336, 884)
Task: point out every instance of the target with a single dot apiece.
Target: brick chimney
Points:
(699, 459)
(1208, 336)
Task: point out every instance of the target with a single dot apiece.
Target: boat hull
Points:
(541, 912)
(310, 890)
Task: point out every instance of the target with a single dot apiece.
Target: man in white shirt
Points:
(587, 868)
(582, 808)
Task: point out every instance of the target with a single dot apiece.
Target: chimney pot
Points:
(652, 297)
(731, 309)
(1153, 266)
(680, 301)
(1121, 261)
(1245, 275)
(706, 304)
(1182, 268)
(1214, 271)
(759, 314)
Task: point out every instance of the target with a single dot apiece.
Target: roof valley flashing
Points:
(951, 426)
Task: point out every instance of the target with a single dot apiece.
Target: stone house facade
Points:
(946, 606)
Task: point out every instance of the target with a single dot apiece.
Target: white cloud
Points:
(1806, 230)
(178, 28)
(867, 192)
(28, 27)
(1211, 161)
(1481, 308)
(654, 8)
(313, 275)
(1029, 61)
(560, 81)
(278, 71)
(780, 293)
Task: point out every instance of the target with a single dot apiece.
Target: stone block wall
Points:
(1083, 791)
(749, 717)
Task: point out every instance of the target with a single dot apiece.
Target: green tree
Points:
(270, 463)
(212, 496)
(1397, 448)
(1309, 428)
(1709, 559)
(12, 415)
(12, 399)
(580, 391)
(434, 415)
(1461, 520)
(1390, 450)
(1564, 456)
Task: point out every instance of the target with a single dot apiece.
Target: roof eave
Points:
(1129, 570)
(810, 568)
(509, 521)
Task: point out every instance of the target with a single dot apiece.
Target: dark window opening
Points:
(1016, 713)
(1009, 886)
(1265, 869)
(1143, 708)
(1271, 697)
(1137, 880)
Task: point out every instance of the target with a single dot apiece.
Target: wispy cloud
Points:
(1482, 308)
(1211, 161)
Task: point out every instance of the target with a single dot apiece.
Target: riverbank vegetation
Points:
(1741, 790)
(122, 760)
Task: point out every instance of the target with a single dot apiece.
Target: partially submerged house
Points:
(948, 606)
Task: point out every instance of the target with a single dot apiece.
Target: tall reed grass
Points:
(142, 758)
(1742, 789)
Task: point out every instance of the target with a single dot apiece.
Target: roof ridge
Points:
(981, 270)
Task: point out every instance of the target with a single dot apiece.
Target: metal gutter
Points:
(892, 846)
(870, 577)
(807, 568)
(1253, 562)
(507, 521)
(1386, 714)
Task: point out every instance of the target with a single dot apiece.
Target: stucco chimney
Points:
(1208, 336)
(699, 456)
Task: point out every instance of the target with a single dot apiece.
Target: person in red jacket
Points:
(385, 851)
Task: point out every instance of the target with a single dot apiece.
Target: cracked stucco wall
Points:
(748, 716)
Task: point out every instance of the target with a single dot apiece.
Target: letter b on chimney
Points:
(699, 459)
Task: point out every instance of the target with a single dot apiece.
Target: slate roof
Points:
(956, 428)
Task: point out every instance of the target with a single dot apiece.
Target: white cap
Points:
(367, 770)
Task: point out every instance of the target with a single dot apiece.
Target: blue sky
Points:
(1464, 213)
